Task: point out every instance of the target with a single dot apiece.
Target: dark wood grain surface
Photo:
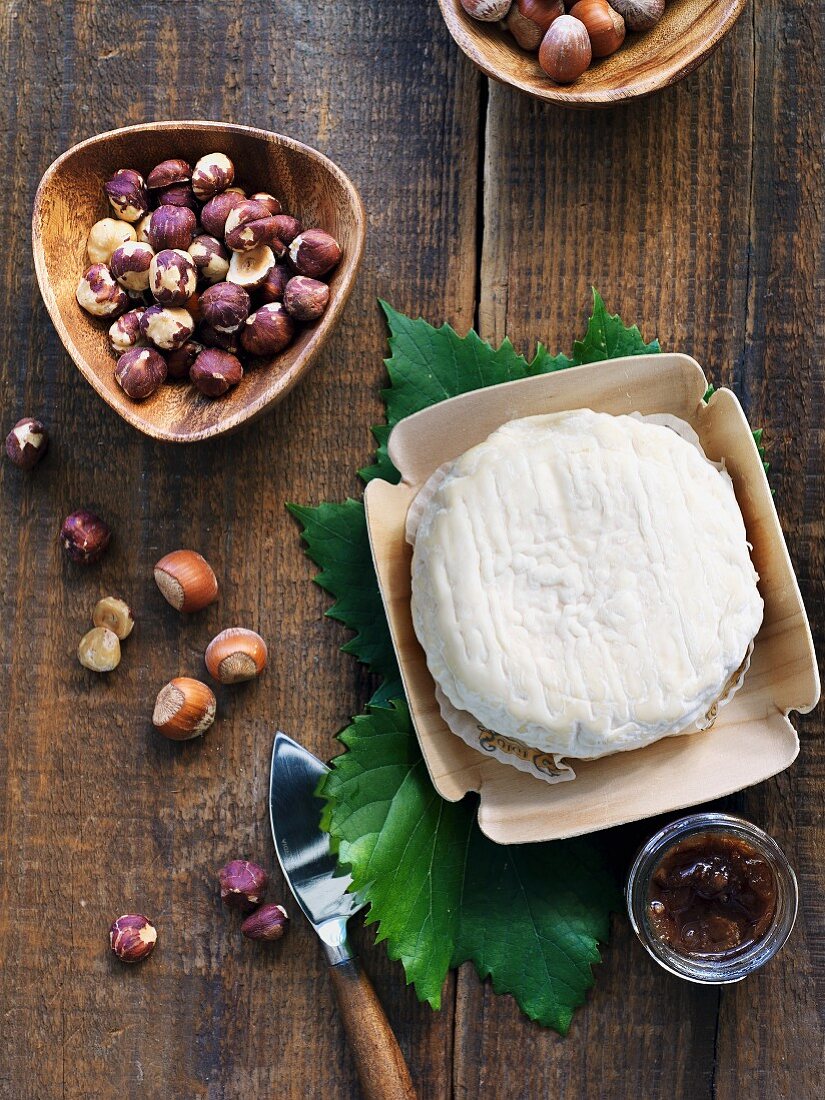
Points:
(699, 212)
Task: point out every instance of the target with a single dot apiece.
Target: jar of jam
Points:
(712, 898)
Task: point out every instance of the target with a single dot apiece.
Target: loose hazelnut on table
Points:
(172, 227)
(565, 51)
(314, 253)
(132, 937)
(99, 650)
(214, 372)
(235, 655)
(268, 331)
(26, 443)
(127, 194)
(168, 172)
(529, 20)
(212, 173)
(488, 11)
(107, 235)
(179, 362)
(306, 299)
(178, 194)
(139, 372)
(639, 15)
(173, 277)
(186, 580)
(267, 200)
(268, 923)
(273, 286)
(85, 537)
(243, 884)
(210, 257)
(604, 25)
(224, 306)
(130, 265)
(99, 294)
(217, 210)
(250, 269)
(114, 614)
(125, 333)
(167, 328)
(185, 708)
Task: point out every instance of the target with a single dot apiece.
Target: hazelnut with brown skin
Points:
(306, 299)
(604, 25)
(105, 236)
(168, 172)
(267, 200)
(125, 333)
(178, 194)
(565, 50)
(130, 265)
(250, 269)
(140, 372)
(179, 362)
(640, 15)
(26, 443)
(212, 173)
(185, 708)
(243, 884)
(211, 338)
(287, 228)
(247, 210)
(268, 331)
(224, 306)
(173, 277)
(167, 327)
(132, 937)
(85, 537)
(127, 194)
(529, 20)
(314, 253)
(99, 294)
(210, 257)
(115, 615)
(172, 227)
(273, 287)
(487, 11)
(99, 650)
(217, 210)
(268, 923)
(235, 655)
(214, 372)
(186, 580)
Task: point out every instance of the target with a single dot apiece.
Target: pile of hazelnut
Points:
(568, 34)
(198, 279)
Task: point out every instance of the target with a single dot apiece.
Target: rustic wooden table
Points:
(700, 213)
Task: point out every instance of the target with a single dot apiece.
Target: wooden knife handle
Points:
(382, 1070)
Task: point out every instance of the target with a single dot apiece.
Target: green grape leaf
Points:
(607, 337)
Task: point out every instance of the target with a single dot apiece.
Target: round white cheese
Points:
(583, 582)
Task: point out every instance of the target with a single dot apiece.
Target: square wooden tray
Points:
(752, 738)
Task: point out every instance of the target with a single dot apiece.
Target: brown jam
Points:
(711, 894)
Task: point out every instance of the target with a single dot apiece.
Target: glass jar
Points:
(709, 969)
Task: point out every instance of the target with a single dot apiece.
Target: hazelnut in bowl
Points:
(181, 239)
(600, 54)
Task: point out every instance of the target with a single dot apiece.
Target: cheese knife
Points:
(310, 869)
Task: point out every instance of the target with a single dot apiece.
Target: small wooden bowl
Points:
(686, 35)
(70, 199)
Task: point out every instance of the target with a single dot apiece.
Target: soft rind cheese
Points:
(583, 582)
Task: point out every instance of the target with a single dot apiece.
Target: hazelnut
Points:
(168, 172)
(225, 306)
(26, 443)
(166, 328)
(250, 269)
(273, 286)
(99, 650)
(125, 333)
(565, 51)
(217, 210)
(193, 306)
(105, 236)
(212, 173)
(85, 537)
(639, 15)
(268, 331)
(267, 923)
(132, 937)
(130, 265)
(210, 257)
(173, 277)
(314, 253)
(247, 210)
(99, 294)
(114, 614)
(235, 655)
(172, 227)
(529, 20)
(306, 299)
(488, 11)
(604, 25)
(235, 190)
(267, 200)
(139, 372)
(243, 238)
(287, 228)
(184, 708)
(142, 229)
(214, 372)
(186, 581)
(211, 338)
(127, 194)
(243, 884)
(178, 194)
(179, 361)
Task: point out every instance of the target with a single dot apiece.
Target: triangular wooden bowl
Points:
(752, 738)
(70, 199)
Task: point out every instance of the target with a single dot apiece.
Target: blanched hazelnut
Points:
(115, 615)
(179, 362)
(99, 294)
(186, 581)
(184, 708)
(142, 229)
(640, 15)
(267, 200)
(211, 338)
(178, 194)
(212, 173)
(225, 306)
(250, 269)
(172, 227)
(211, 258)
(85, 537)
(99, 650)
(268, 923)
(243, 884)
(173, 277)
(214, 372)
(125, 333)
(132, 937)
(168, 172)
(273, 286)
(167, 328)
(235, 655)
(488, 11)
(268, 331)
(130, 265)
(314, 253)
(127, 194)
(105, 236)
(217, 210)
(306, 299)
(139, 372)
(26, 443)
